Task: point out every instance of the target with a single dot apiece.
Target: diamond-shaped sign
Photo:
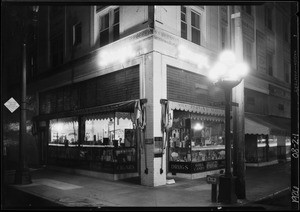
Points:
(11, 105)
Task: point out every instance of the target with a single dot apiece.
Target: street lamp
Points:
(227, 73)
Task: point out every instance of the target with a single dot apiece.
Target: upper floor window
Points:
(247, 9)
(109, 27)
(57, 50)
(191, 24)
(269, 18)
(183, 22)
(223, 36)
(196, 35)
(77, 34)
(270, 64)
(248, 51)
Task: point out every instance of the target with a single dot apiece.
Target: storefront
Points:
(196, 140)
(265, 141)
(92, 125)
(109, 143)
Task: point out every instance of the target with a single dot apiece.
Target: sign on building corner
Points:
(11, 105)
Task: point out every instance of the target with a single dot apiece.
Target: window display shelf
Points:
(208, 147)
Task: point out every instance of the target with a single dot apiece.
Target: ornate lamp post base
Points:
(227, 189)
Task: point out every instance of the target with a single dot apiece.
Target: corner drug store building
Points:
(88, 117)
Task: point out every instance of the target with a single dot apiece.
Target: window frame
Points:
(111, 28)
(77, 42)
(200, 12)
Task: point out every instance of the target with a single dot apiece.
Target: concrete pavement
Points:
(67, 190)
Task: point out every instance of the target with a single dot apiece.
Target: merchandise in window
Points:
(64, 131)
(114, 130)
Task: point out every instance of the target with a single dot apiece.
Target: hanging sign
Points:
(11, 105)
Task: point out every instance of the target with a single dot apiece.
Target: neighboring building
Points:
(100, 68)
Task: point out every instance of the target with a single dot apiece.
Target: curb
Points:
(266, 197)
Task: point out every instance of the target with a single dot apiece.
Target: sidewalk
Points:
(68, 190)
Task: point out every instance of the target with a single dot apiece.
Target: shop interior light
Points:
(198, 126)
(58, 127)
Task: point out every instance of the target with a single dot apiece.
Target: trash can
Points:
(214, 181)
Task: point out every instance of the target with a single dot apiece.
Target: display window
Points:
(109, 129)
(198, 140)
(64, 131)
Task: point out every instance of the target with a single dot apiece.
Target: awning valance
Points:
(267, 125)
(205, 110)
(126, 107)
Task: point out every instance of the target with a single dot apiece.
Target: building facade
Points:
(123, 90)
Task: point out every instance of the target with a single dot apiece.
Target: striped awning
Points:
(267, 125)
(205, 110)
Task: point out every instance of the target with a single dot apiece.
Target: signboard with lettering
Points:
(186, 167)
(126, 167)
(180, 167)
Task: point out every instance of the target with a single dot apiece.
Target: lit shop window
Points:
(64, 131)
(111, 130)
(206, 133)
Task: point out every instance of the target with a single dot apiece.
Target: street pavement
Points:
(52, 189)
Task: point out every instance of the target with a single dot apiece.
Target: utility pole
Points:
(238, 112)
(22, 175)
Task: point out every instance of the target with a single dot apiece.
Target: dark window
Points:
(104, 30)
(77, 34)
(116, 31)
(57, 50)
(183, 23)
(195, 28)
(110, 27)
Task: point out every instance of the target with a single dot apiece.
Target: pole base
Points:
(23, 177)
(227, 190)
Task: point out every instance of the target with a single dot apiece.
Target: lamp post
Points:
(227, 73)
(22, 175)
